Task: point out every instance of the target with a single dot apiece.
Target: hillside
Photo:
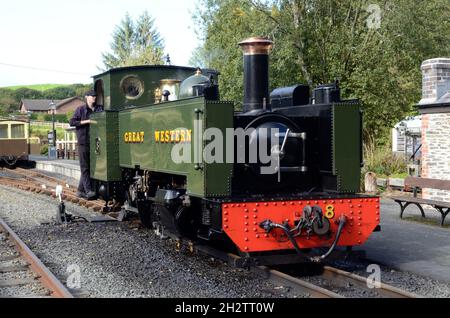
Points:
(37, 87)
(10, 97)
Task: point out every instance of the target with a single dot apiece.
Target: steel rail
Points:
(312, 290)
(384, 290)
(46, 277)
(33, 185)
(277, 277)
(335, 276)
(331, 274)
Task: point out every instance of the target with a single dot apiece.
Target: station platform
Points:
(411, 244)
(68, 168)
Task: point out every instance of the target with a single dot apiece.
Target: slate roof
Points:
(43, 104)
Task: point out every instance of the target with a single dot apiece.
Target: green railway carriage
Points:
(271, 182)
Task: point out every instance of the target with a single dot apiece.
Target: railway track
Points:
(22, 274)
(31, 180)
(34, 181)
(335, 278)
(329, 277)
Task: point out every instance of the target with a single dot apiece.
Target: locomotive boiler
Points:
(271, 182)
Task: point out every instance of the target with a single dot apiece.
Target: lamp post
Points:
(52, 150)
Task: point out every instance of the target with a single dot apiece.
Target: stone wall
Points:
(436, 152)
(435, 125)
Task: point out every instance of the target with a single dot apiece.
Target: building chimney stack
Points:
(436, 80)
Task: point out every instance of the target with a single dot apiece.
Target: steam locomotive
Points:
(271, 182)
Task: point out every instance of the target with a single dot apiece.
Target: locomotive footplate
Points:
(256, 227)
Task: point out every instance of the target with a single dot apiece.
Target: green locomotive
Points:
(167, 148)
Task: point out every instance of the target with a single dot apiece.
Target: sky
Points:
(69, 36)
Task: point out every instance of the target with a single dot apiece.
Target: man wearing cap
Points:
(81, 121)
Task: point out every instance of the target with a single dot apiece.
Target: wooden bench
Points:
(416, 183)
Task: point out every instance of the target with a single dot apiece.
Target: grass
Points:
(394, 176)
(38, 87)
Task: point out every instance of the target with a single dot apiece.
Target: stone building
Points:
(42, 105)
(435, 110)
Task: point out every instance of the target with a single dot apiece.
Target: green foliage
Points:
(383, 161)
(37, 87)
(135, 43)
(10, 98)
(69, 116)
(7, 104)
(27, 93)
(318, 41)
(223, 24)
(59, 93)
(42, 132)
(44, 150)
(61, 118)
(41, 117)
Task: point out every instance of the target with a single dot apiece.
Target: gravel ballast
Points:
(117, 260)
(120, 260)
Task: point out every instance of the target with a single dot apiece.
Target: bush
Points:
(44, 150)
(69, 116)
(61, 118)
(383, 161)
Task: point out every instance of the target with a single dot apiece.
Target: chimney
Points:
(256, 73)
(436, 80)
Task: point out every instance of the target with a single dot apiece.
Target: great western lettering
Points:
(173, 136)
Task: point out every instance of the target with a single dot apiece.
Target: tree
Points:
(61, 92)
(7, 105)
(223, 24)
(26, 93)
(374, 47)
(135, 43)
(10, 99)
